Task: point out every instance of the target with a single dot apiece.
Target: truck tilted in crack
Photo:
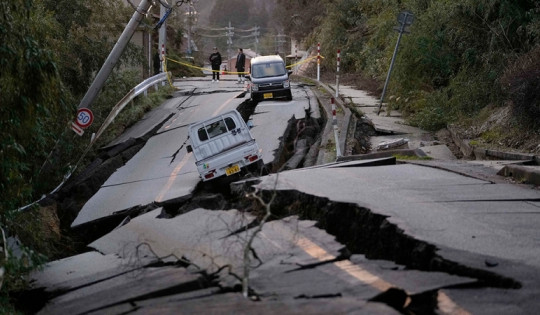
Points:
(223, 146)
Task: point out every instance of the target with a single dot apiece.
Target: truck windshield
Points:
(264, 70)
(216, 128)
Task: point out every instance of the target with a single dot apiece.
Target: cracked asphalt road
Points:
(358, 239)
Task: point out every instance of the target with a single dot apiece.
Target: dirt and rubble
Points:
(494, 128)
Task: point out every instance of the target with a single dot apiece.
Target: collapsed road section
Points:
(371, 237)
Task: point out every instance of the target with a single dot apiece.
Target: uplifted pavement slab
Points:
(438, 152)
(131, 286)
(440, 207)
(234, 303)
(200, 236)
(291, 260)
(81, 270)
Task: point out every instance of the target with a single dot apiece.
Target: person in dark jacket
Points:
(157, 63)
(241, 65)
(215, 60)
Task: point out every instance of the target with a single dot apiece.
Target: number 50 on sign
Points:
(84, 117)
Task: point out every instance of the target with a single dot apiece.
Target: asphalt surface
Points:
(479, 229)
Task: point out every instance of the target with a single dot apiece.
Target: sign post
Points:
(405, 18)
(318, 61)
(337, 72)
(335, 126)
(78, 130)
(84, 119)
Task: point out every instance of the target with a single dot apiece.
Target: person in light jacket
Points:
(241, 65)
(215, 60)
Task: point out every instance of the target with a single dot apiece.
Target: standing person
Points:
(240, 65)
(215, 60)
(157, 63)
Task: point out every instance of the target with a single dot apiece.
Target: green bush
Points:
(179, 67)
(522, 83)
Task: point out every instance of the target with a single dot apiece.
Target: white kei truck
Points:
(223, 146)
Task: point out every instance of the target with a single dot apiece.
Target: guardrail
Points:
(136, 91)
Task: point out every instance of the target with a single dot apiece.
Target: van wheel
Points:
(289, 96)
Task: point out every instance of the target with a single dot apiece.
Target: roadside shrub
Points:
(430, 111)
(181, 70)
(521, 81)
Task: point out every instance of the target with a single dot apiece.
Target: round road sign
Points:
(84, 117)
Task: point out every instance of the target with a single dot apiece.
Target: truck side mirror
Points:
(248, 77)
(289, 72)
(189, 148)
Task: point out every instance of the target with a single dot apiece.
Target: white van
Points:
(223, 146)
(269, 78)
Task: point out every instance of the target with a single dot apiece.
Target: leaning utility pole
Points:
(162, 40)
(405, 19)
(114, 55)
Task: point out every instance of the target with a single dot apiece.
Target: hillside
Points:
(473, 66)
(494, 128)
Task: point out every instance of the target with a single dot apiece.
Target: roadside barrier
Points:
(318, 61)
(336, 129)
(337, 72)
(137, 90)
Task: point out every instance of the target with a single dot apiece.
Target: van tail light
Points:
(210, 174)
(251, 158)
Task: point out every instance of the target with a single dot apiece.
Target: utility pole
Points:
(280, 39)
(405, 18)
(256, 33)
(114, 55)
(229, 34)
(192, 15)
(162, 32)
(189, 31)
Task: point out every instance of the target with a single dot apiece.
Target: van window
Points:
(264, 70)
(202, 134)
(216, 128)
(230, 123)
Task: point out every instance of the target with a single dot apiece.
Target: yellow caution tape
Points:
(168, 74)
(303, 61)
(227, 72)
(195, 67)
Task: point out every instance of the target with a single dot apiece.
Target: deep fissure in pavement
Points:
(370, 234)
(360, 230)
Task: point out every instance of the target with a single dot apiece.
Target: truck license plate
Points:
(232, 170)
(268, 95)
